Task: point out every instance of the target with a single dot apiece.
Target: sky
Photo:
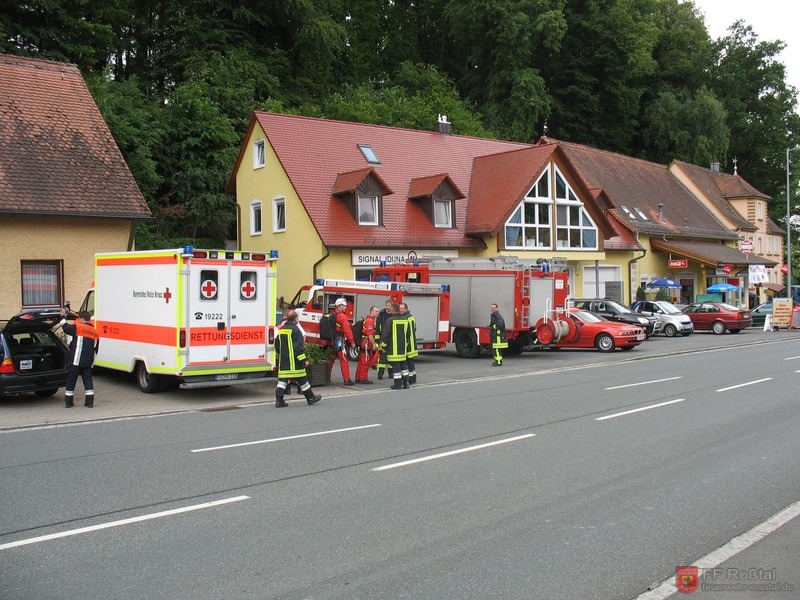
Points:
(770, 19)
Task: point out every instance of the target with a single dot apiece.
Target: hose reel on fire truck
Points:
(550, 331)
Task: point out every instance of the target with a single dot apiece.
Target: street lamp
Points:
(788, 228)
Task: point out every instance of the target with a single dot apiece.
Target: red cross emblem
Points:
(248, 290)
(167, 295)
(209, 289)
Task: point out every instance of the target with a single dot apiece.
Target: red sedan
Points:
(718, 317)
(582, 329)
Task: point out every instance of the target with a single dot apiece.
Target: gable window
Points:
(42, 283)
(278, 214)
(443, 213)
(255, 217)
(259, 154)
(368, 210)
(575, 229)
(529, 226)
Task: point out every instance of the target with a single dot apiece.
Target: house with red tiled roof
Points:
(336, 199)
(65, 190)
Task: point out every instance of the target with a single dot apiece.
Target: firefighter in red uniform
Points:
(369, 350)
(82, 349)
(344, 338)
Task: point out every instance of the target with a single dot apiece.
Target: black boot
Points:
(397, 384)
(412, 379)
(279, 402)
(311, 398)
(380, 372)
(405, 382)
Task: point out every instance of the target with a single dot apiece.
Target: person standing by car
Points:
(369, 348)
(411, 342)
(82, 349)
(497, 326)
(344, 338)
(292, 362)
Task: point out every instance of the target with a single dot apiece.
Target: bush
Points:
(316, 353)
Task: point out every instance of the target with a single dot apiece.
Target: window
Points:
(530, 224)
(42, 283)
(209, 285)
(575, 229)
(368, 210)
(259, 154)
(278, 214)
(247, 286)
(369, 154)
(443, 213)
(255, 217)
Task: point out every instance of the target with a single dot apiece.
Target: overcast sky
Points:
(770, 19)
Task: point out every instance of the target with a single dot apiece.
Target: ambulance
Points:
(194, 318)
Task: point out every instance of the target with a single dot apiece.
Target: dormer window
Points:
(436, 195)
(369, 154)
(259, 154)
(368, 210)
(443, 213)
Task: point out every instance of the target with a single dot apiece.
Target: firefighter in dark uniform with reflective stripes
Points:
(497, 331)
(82, 349)
(384, 314)
(292, 362)
(411, 342)
(395, 341)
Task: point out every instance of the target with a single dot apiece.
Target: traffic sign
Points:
(746, 247)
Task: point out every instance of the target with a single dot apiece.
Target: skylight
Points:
(369, 154)
(640, 213)
(627, 212)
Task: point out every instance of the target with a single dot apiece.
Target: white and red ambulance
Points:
(194, 318)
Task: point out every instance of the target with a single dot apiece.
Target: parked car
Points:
(33, 358)
(614, 311)
(760, 312)
(718, 317)
(673, 321)
(588, 330)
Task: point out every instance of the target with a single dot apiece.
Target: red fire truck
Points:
(530, 296)
(430, 305)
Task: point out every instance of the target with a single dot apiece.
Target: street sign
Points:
(746, 247)
(784, 268)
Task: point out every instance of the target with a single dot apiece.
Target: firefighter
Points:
(369, 348)
(82, 349)
(344, 338)
(497, 331)
(394, 340)
(411, 342)
(292, 362)
(384, 314)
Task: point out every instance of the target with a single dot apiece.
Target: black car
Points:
(614, 311)
(33, 358)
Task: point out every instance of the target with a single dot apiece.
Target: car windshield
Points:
(618, 307)
(588, 317)
(669, 309)
(725, 306)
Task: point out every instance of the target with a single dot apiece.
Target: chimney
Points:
(660, 212)
(443, 126)
(715, 167)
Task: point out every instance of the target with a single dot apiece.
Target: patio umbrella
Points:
(664, 282)
(722, 287)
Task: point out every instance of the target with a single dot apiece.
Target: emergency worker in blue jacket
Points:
(291, 358)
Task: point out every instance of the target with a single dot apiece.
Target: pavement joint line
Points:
(727, 551)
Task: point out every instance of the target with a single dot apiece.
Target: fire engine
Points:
(194, 318)
(530, 296)
(430, 305)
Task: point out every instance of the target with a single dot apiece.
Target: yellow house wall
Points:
(71, 240)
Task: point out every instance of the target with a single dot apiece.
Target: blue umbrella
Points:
(664, 282)
(722, 287)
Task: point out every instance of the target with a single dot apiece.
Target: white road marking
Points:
(733, 387)
(289, 437)
(166, 513)
(791, 358)
(635, 410)
(452, 452)
(716, 557)
(619, 387)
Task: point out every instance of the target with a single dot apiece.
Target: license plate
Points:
(25, 365)
(641, 337)
(224, 376)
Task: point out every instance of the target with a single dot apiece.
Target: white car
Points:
(673, 321)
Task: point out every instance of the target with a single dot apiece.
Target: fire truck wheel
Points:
(604, 342)
(466, 343)
(147, 382)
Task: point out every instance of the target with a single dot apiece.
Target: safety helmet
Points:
(341, 302)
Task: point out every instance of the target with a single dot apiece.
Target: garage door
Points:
(594, 280)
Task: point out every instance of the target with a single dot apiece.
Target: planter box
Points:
(318, 374)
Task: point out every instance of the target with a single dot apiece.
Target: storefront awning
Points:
(711, 253)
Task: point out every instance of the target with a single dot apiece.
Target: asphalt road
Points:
(561, 475)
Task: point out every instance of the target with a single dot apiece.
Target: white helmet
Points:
(341, 302)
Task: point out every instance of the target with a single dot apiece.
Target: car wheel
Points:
(46, 393)
(718, 327)
(670, 330)
(604, 343)
(466, 343)
(147, 382)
